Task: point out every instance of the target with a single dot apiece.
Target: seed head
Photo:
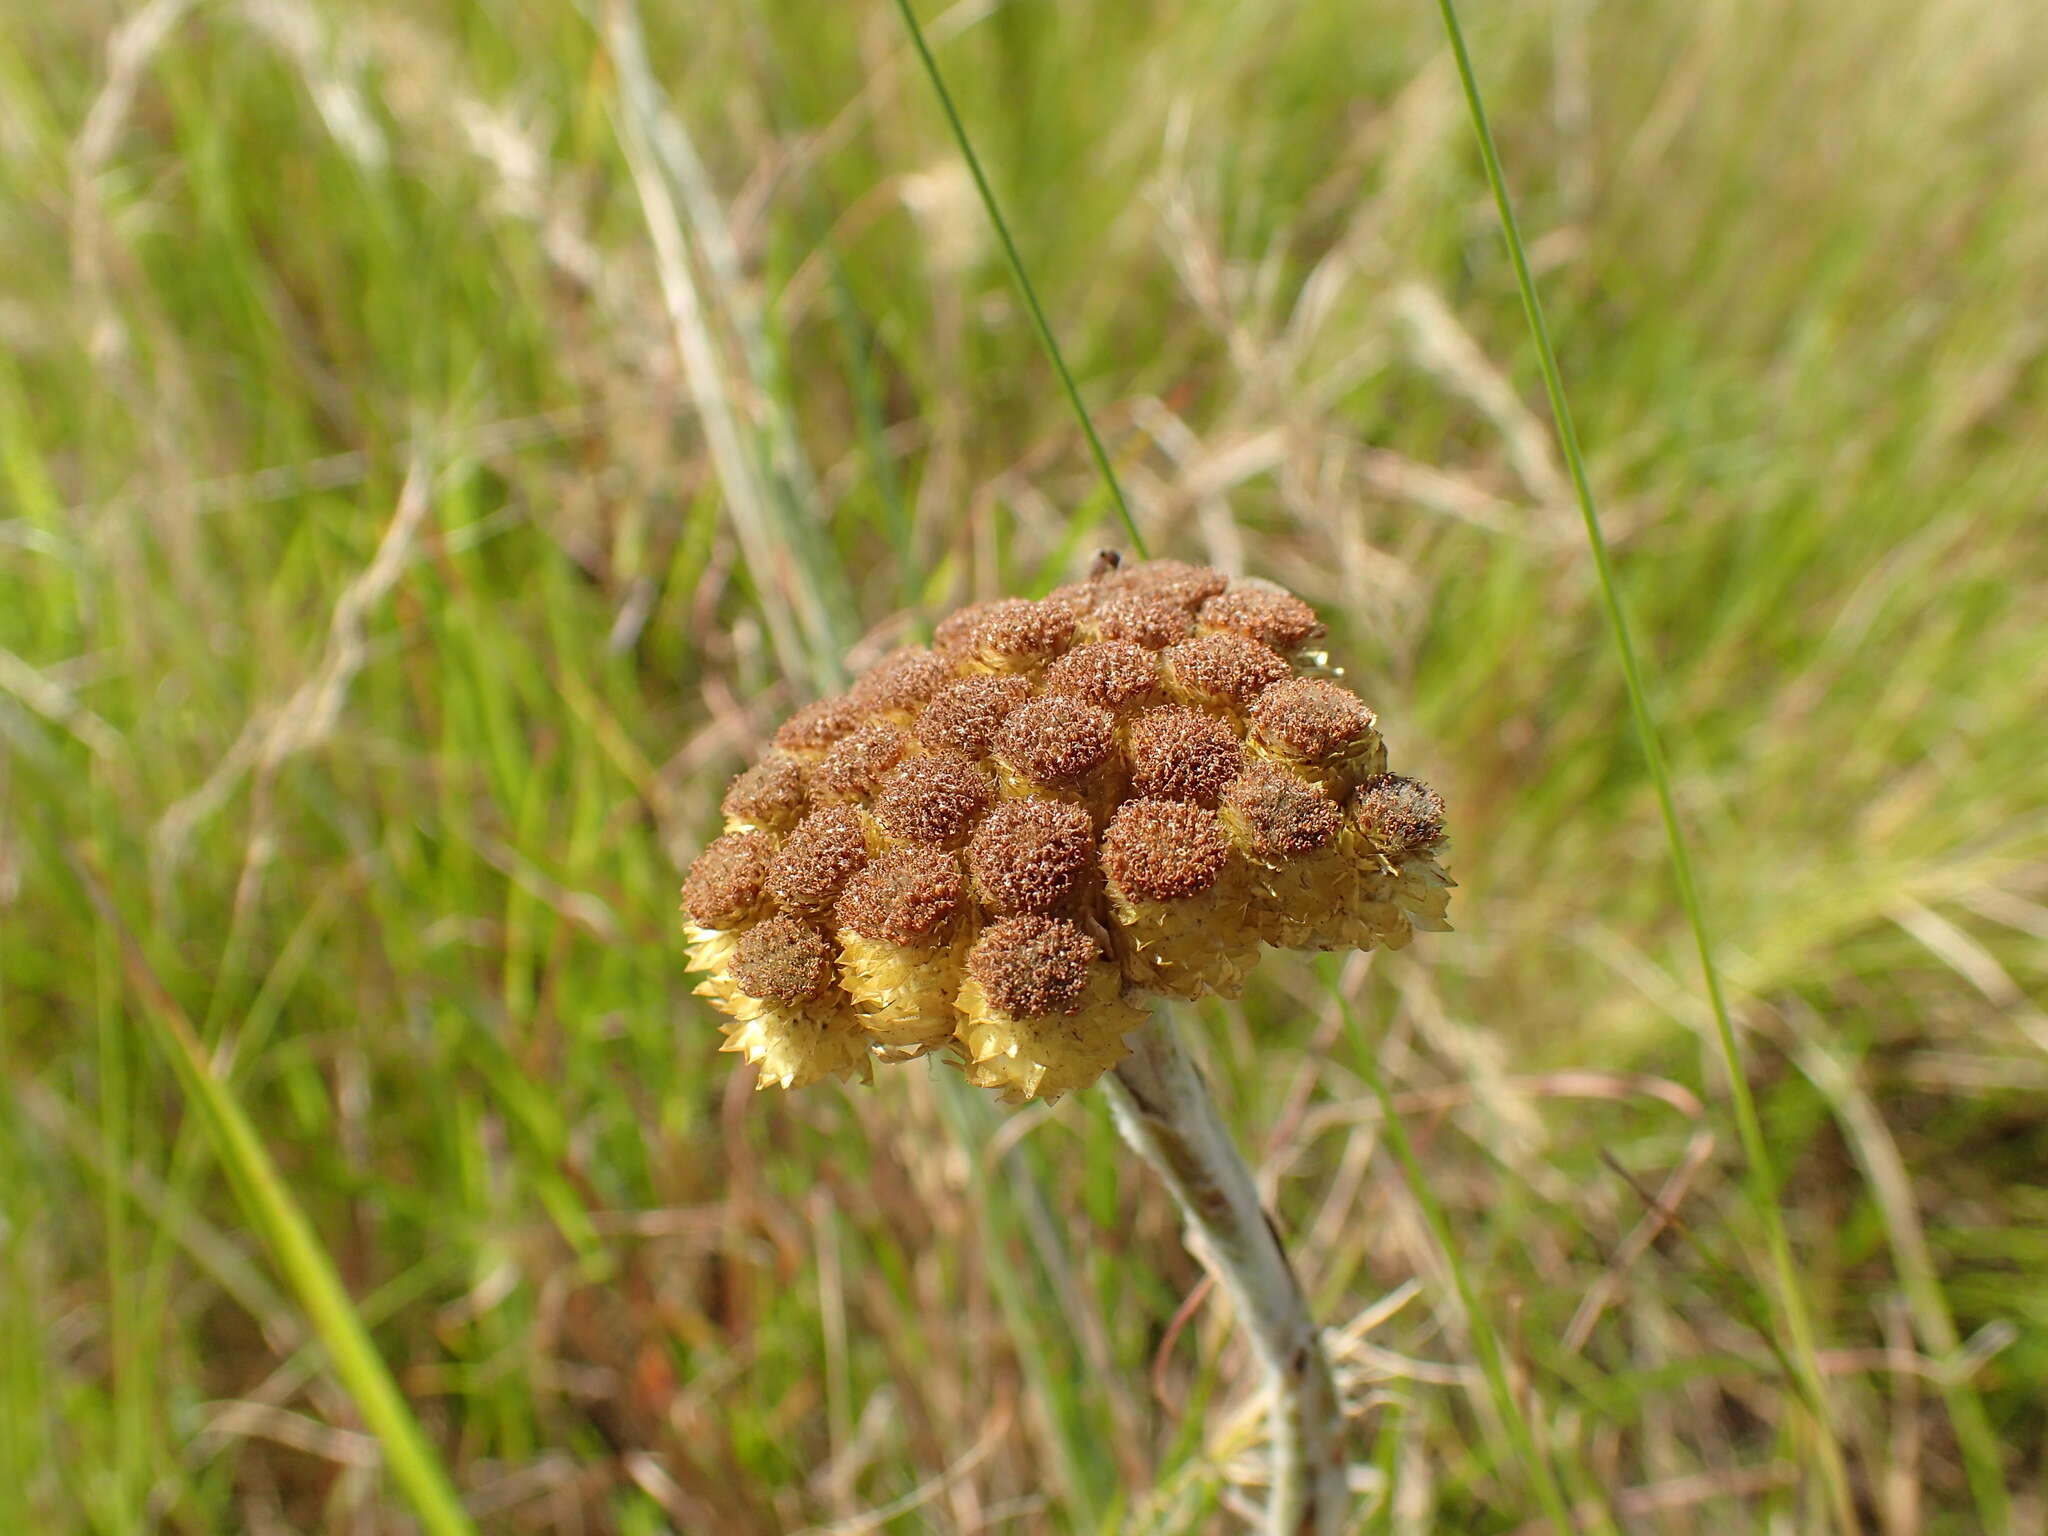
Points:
(1016, 634)
(1149, 621)
(1398, 815)
(725, 883)
(771, 794)
(782, 961)
(1179, 753)
(901, 681)
(1055, 739)
(934, 799)
(816, 726)
(1276, 619)
(965, 716)
(1277, 815)
(1174, 581)
(1311, 720)
(817, 859)
(1031, 855)
(905, 897)
(858, 762)
(1163, 850)
(1105, 673)
(1223, 671)
(1031, 966)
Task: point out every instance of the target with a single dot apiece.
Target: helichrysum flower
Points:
(993, 848)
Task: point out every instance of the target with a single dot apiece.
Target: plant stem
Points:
(1164, 1111)
(1762, 1171)
(1023, 279)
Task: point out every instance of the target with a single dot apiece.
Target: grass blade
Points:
(294, 1246)
(1760, 1171)
(1023, 279)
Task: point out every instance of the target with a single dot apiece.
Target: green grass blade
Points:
(1016, 262)
(295, 1248)
(1760, 1171)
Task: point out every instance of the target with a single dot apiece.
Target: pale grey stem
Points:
(1164, 1111)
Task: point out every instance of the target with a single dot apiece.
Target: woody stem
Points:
(1164, 1110)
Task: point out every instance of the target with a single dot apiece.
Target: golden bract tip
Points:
(995, 845)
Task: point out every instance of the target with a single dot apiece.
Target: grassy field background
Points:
(439, 441)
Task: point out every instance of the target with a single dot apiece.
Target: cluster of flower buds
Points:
(988, 848)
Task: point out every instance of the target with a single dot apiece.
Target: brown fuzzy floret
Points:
(1227, 668)
(1107, 673)
(955, 632)
(782, 961)
(1173, 581)
(1282, 815)
(1149, 621)
(817, 859)
(1163, 850)
(1032, 966)
(1017, 629)
(858, 762)
(1311, 718)
(1398, 815)
(934, 799)
(1029, 855)
(901, 680)
(1278, 619)
(904, 897)
(965, 716)
(816, 726)
(726, 880)
(1054, 739)
(772, 793)
(1077, 597)
(1179, 753)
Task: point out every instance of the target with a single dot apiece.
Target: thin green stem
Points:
(1761, 1171)
(1023, 279)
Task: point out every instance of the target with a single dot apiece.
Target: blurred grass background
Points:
(438, 442)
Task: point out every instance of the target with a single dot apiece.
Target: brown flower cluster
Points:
(988, 847)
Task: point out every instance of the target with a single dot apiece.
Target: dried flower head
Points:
(817, 859)
(905, 897)
(1106, 673)
(934, 799)
(1179, 753)
(1055, 739)
(901, 682)
(772, 795)
(1279, 620)
(782, 961)
(860, 760)
(1151, 622)
(1032, 855)
(1225, 672)
(1016, 634)
(964, 717)
(993, 848)
(1173, 581)
(725, 884)
(1312, 720)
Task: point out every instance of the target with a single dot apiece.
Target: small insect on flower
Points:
(992, 850)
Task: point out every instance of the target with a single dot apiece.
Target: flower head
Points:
(993, 848)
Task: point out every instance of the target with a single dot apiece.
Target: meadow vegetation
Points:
(438, 441)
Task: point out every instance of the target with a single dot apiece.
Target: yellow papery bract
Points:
(1043, 1058)
(902, 994)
